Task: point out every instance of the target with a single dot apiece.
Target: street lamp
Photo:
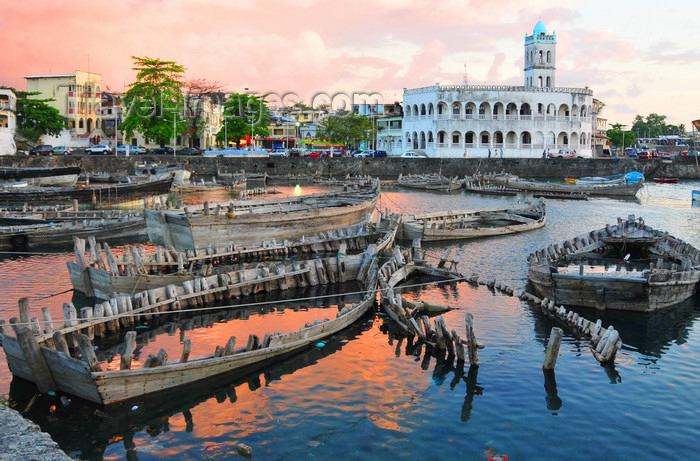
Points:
(174, 133)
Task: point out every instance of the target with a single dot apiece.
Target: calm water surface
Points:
(368, 394)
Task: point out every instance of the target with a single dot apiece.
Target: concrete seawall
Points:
(385, 168)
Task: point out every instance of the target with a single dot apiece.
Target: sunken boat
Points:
(102, 195)
(431, 181)
(247, 222)
(468, 224)
(625, 188)
(626, 266)
(98, 273)
(64, 359)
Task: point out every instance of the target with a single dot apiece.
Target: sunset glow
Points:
(637, 57)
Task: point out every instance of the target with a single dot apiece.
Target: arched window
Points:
(549, 56)
(539, 56)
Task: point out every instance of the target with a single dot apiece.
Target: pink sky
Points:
(638, 57)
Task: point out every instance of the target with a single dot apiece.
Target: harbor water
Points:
(366, 393)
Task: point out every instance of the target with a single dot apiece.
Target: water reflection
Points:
(194, 405)
(444, 367)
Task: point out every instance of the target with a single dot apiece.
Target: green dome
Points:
(539, 29)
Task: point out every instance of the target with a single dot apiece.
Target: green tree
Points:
(35, 117)
(654, 125)
(617, 134)
(346, 128)
(153, 101)
(244, 115)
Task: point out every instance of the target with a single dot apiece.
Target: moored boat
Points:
(247, 222)
(467, 224)
(41, 176)
(23, 233)
(627, 266)
(623, 189)
(665, 180)
(85, 195)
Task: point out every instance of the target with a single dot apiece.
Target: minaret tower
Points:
(540, 58)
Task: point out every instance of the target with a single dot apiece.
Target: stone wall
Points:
(385, 168)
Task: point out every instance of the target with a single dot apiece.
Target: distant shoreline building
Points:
(77, 97)
(512, 121)
(8, 121)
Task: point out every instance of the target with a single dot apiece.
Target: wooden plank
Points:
(88, 353)
(41, 375)
(129, 345)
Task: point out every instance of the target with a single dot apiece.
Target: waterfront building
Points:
(511, 121)
(8, 121)
(77, 97)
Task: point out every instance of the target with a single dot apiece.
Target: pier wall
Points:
(385, 168)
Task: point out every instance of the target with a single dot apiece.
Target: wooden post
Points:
(459, 347)
(88, 353)
(48, 322)
(23, 312)
(129, 345)
(550, 359)
(230, 346)
(60, 343)
(471, 340)
(186, 348)
(35, 360)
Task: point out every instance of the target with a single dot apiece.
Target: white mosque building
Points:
(509, 121)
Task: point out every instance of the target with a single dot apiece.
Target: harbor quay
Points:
(204, 168)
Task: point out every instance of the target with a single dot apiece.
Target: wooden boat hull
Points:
(23, 237)
(658, 287)
(429, 182)
(74, 376)
(104, 284)
(665, 180)
(468, 224)
(97, 195)
(623, 189)
(189, 231)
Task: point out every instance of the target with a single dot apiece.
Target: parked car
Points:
(44, 149)
(644, 154)
(278, 153)
(162, 151)
(125, 148)
(62, 150)
(410, 154)
(666, 155)
(363, 154)
(355, 153)
(379, 153)
(190, 151)
(566, 153)
(99, 149)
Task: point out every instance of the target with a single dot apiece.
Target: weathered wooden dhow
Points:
(87, 195)
(467, 224)
(50, 359)
(22, 233)
(622, 189)
(41, 176)
(627, 266)
(431, 181)
(251, 221)
(99, 274)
